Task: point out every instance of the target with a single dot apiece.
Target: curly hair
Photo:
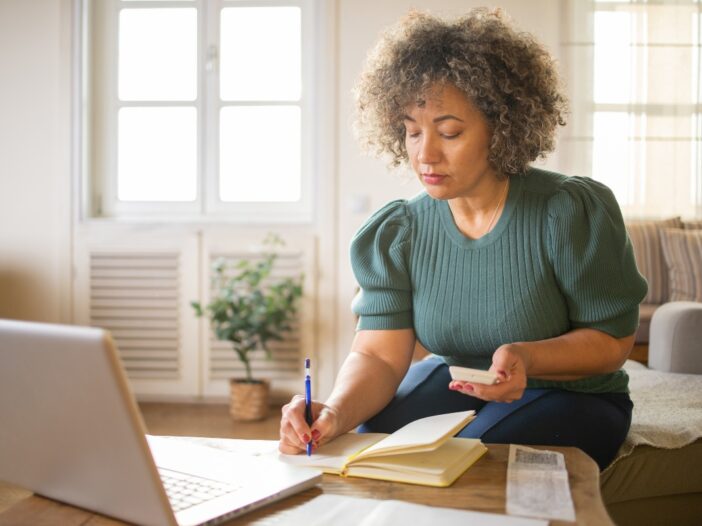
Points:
(506, 74)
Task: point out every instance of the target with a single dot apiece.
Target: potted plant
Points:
(249, 309)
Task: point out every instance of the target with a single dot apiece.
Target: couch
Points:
(656, 477)
(669, 255)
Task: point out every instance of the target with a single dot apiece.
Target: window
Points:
(634, 71)
(199, 109)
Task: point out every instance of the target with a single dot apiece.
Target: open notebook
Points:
(422, 452)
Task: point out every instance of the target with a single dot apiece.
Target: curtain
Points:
(632, 70)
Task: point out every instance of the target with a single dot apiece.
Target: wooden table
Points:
(481, 488)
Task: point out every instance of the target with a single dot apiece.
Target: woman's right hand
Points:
(294, 431)
(366, 382)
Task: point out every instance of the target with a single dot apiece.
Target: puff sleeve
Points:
(593, 258)
(379, 255)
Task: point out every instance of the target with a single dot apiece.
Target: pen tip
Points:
(307, 363)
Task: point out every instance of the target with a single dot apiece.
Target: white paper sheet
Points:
(256, 448)
(354, 511)
(537, 484)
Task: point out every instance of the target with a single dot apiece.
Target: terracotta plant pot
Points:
(248, 401)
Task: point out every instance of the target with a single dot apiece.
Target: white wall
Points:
(34, 160)
(35, 191)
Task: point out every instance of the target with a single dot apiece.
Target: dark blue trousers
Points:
(595, 423)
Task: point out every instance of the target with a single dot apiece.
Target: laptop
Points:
(71, 430)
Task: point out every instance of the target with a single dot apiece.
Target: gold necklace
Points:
(489, 227)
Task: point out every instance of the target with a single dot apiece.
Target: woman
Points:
(496, 266)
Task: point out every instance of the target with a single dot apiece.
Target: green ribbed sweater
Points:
(558, 259)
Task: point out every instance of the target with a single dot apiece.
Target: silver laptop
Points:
(71, 430)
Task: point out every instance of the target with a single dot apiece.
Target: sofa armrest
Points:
(675, 343)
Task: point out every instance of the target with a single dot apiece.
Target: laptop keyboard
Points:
(186, 490)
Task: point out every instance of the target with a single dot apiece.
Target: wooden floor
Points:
(206, 420)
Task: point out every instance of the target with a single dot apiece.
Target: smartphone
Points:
(476, 376)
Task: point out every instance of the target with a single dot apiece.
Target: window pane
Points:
(613, 154)
(260, 55)
(696, 77)
(670, 73)
(670, 23)
(158, 54)
(695, 183)
(646, 54)
(667, 188)
(650, 162)
(260, 154)
(157, 154)
(613, 57)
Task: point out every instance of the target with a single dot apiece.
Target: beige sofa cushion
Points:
(682, 251)
(646, 241)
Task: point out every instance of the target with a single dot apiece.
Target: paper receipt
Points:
(537, 484)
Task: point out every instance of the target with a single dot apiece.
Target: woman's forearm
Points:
(575, 354)
(363, 387)
(370, 375)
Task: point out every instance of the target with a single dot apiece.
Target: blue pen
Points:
(308, 402)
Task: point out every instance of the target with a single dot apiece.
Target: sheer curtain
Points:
(633, 77)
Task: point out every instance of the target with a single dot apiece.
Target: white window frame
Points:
(100, 140)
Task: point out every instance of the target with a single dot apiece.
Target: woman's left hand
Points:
(510, 366)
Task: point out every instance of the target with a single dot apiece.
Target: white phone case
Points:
(476, 376)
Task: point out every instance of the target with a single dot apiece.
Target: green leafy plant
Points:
(248, 309)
